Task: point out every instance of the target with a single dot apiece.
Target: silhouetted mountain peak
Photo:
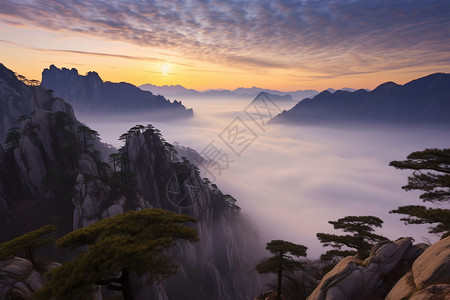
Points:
(66, 71)
(386, 86)
(4, 71)
(262, 96)
(93, 76)
(323, 94)
(424, 100)
(429, 81)
(8, 76)
(91, 95)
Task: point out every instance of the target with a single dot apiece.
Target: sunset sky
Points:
(203, 44)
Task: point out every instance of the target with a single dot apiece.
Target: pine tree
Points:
(431, 174)
(27, 243)
(88, 134)
(281, 260)
(361, 240)
(131, 243)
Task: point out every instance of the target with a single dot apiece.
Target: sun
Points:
(165, 69)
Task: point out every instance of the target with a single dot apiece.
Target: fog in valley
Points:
(292, 179)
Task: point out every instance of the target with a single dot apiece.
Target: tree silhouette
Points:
(131, 243)
(431, 174)
(362, 238)
(114, 159)
(282, 260)
(88, 134)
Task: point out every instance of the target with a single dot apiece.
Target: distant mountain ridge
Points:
(424, 100)
(275, 98)
(250, 93)
(90, 94)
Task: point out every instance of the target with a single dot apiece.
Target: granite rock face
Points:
(18, 99)
(220, 265)
(429, 277)
(372, 278)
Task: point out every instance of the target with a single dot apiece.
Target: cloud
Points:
(292, 180)
(321, 36)
(144, 58)
(104, 54)
(255, 62)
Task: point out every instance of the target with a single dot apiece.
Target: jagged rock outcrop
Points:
(429, 278)
(90, 95)
(372, 278)
(18, 99)
(45, 153)
(19, 279)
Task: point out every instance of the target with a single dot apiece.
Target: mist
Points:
(291, 180)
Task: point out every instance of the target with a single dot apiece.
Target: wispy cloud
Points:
(144, 58)
(322, 36)
(105, 54)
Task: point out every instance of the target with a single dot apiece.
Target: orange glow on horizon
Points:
(123, 62)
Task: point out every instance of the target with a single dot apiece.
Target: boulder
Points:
(19, 279)
(429, 277)
(372, 278)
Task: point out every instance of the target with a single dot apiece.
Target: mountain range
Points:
(175, 91)
(422, 101)
(89, 94)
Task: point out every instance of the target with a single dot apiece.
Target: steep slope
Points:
(43, 154)
(51, 171)
(422, 101)
(17, 99)
(89, 94)
(220, 264)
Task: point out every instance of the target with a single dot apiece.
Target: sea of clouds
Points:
(290, 179)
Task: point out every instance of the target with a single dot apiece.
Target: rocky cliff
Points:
(220, 265)
(53, 171)
(89, 94)
(44, 154)
(19, 100)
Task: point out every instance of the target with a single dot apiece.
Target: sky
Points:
(204, 44)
